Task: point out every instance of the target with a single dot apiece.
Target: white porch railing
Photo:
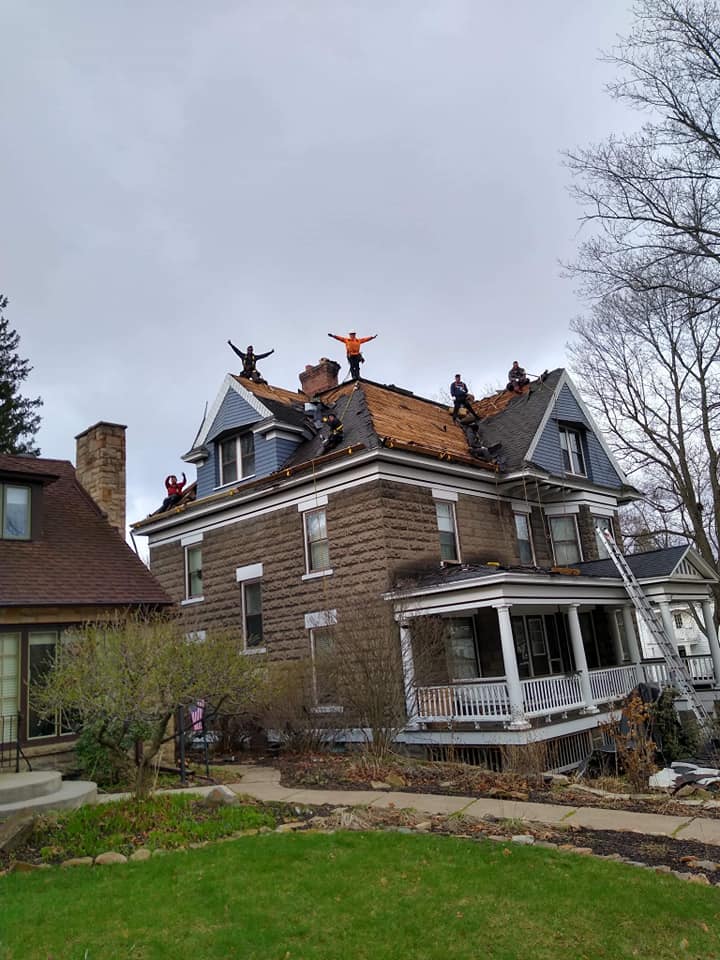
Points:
(612, 683)
(489, 700)
(483, 700)
(546, 695)
(700, 668)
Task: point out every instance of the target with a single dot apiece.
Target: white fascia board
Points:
(230, 383)
(190, 538)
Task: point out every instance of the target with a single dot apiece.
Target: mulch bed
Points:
(344, 773)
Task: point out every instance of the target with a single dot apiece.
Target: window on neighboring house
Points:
(605, 524)
(252, 613)
(14, 512)
(572, 451)
(566, 547)
(322, 647)
(524, 539)
(193, 573)
(678, 617)
(237, 458)
(316, 541)
(447, 529)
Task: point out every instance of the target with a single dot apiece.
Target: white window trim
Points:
(577, 541)
(520, 506)
(188, 599)
(190, 539)
(531, 541)
(253, 571)
(316, 573)
(449, 495)
(320, 707)
(247, 649)
(568, 429)
(453, 511)
(312, 503)
(312, 574)
(241, 476)
(560, 509)
(320, 618)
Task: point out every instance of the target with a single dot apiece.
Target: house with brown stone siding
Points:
(63, 561)
(487, 521)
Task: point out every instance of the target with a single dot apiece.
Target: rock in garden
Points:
(380, 785)
(110, 858)
(707, 865)
(396, 780)
(21, 866)
(289, 827)
(77, 862)
(219, 797)
(524, 839)
(424, 826)
(142, 854)
(699, 878)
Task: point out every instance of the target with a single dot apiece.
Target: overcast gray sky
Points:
(173, 174)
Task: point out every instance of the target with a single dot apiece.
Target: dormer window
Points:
(14, 512)
(572, 450)
(237, 458)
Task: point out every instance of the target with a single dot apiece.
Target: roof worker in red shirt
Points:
(352, 346)
(174, 489)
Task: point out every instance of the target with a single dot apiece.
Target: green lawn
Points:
(349, 895)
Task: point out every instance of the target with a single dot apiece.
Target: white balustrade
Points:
(484, 700)
(546, 695)
(655, 672)
(701, 669)
(612, 683)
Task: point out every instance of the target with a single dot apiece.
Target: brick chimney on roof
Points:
(323, 376)
(100, 468)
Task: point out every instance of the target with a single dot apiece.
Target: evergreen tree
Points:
(18, 420)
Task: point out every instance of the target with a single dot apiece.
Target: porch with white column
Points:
(408, 664)
(712, 636)
(581, 666)
(512, 677)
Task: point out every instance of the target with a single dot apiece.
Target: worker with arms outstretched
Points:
(352, 346)
(249, 360)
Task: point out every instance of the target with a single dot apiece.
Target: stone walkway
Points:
(263, 783)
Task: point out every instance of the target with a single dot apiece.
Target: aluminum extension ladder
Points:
(677, 671)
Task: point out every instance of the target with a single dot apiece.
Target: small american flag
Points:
(196, 715)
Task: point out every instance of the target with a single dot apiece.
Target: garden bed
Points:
(458, 779)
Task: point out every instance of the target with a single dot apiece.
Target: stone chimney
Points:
(321, 377)
(100, 468)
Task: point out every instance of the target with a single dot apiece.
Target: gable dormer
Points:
(245, 435)
(569, 444)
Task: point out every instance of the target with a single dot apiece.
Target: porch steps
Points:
(42, 790)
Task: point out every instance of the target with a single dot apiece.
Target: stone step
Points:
(69, 795)
(15, 787)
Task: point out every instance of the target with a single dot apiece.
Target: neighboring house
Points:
(63, 561)
(287, 538)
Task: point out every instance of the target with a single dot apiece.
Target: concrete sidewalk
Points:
(263, 783)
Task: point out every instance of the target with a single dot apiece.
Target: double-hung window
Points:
(237, 458)
(14, 512)
(571, 446)
(605, 525)
(564, 535)
(524, 539)
(252, 613)
(325, 685)
(193, 573)
(447, 529)
(317, 547)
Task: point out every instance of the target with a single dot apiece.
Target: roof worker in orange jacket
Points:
(352, 346)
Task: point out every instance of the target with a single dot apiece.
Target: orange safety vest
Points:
(352, 344)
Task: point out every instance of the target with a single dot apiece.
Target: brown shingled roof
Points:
(78, 558)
